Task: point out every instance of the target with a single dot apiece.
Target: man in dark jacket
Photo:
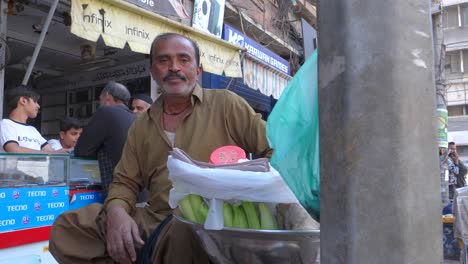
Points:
(106, 132)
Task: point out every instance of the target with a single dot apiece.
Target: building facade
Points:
(74, 63)
(455, 24)
(455, 34)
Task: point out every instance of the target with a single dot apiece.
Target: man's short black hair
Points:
(118, 91)
(21, 91)
(143, 97)
(451, 143)
(170, 35)
(68, 123)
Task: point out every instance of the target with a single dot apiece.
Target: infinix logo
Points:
(135, 31)
(93, 18)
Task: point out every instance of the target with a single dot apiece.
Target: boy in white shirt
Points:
(70, 131)
(15, 134)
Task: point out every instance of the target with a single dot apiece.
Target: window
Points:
(455, 110)
(450, 17)
(452, 61)
(465, 60)
(464, 15)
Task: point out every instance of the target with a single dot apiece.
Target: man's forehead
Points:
(29, 98)
(180, 42)
(138, 101)
(73, 130)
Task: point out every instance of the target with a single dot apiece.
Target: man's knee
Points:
(78, 233)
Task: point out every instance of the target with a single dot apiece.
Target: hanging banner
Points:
(118, 23)
(442, 131)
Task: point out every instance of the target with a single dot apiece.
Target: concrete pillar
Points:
(380, 189)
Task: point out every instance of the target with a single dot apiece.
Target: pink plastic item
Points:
(227, 155)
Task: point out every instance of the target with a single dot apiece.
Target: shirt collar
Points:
(198, 93)
(156, 108)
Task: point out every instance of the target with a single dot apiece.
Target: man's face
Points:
(452, 148)
(31, 106)
(69, 138)
(139, 106)
(174, 66)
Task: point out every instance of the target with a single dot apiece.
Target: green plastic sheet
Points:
(293, 133)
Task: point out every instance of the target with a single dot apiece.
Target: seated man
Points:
(106, 132)
(186, 116)
(141, 103)
(70, 131)
(15, 134)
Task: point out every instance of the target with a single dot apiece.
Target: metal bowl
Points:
(253, 246)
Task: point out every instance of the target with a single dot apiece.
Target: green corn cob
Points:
(267, 220)
(251, 213)
(227, 214)
(196, 201)
(187, 210)
(239, 220)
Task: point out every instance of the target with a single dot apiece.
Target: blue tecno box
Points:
(31, 207)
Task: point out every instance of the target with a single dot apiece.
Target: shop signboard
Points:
(256, 50)
(208, 16)
(166, 7)
(120, 24)
(119, 73)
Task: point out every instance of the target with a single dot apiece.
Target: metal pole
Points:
(3, 34)
(380, 188)
(45, 27)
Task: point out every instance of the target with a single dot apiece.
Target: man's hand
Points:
(454, 156)
(64, 151)
(122, 236)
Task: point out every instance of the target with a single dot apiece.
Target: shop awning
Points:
(119, 23)
(267, 80)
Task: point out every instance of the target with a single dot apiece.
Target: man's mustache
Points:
(172, 75)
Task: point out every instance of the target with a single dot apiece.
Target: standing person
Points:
(15, 134)
(141, 103)
(70, 131)
(185, 116)
(457, 169)
(106, 132)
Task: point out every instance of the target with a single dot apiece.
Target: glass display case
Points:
(31, 170)
(36, 188)
(84, 174)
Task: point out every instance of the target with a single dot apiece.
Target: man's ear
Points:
(111, 99)
(199, 71)
(22, 100)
